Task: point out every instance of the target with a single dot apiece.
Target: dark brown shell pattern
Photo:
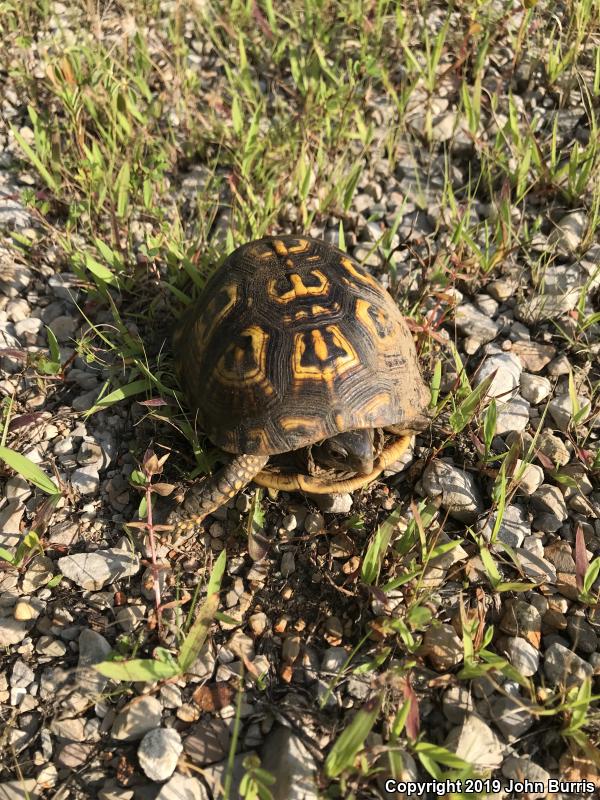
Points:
(292, 342)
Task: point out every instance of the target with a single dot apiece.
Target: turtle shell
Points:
(292, 342)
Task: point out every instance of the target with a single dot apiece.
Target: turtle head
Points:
(351, 451)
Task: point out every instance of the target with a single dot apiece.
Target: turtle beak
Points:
(359, 450)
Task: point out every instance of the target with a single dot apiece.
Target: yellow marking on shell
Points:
(303, 244)
(258, 344)
(323, 372)
(280, 247)
(293, 423)
(316, 309)
(206, 324)
(289, 262)
(363, 277)
(298, 288)
(320, 345)
(339, 422)
(313, 258)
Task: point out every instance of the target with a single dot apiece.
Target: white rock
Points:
(138, 717)
(530, 476)
(85, 480)
(512, 416)
(458, 490)
(522, 655)
(508, 372)
(569, 232)
(535, 388)
(562, 411)
(514, 527)
(93, 570)
(477, 744)
(159, 753)
(291, 764)
(563, 666)
(471, 322)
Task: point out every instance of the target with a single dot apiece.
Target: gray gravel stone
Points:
(553, 448)
(291, 764)
(476, 743)
(141, 715)
(159, 752)
(563, 666)
(475, 324)
(569, 232)
(457, 488)
(548, 501)
(512, 416)
(333, 503)
(535, 388)
(208, 741)
(522, 655)
(182, 787)
(512, 717)
(508, 372)
(94, 570)
(514, 526)
(562, 412)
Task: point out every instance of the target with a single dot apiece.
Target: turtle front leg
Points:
(202, 500)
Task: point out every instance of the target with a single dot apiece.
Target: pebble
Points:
(521, 769)
(533, 355)
(93, 570)
(64, 327)
(548, 500)
(289, 522)
(562, 411)
(17, 488)
(208, 741)
(85, 480)
(535, 388)
(553, 448)
(314, 523)
(288, 564)
(512, 717)
(457, 703)
(292, 765)
(508, 372)
(27, 330)
(512, 416)
(182, 787)
(138, 717)
(522, 619)
(333, 503)
(442, 647)
(159, 753)
(568, 234)
(529, 476)
(476, 325)
(563, 666)
(456, 488)
(476, 743)
(522, 655)
(582, 635)
(514, 526)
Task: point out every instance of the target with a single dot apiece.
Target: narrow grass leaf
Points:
(28, 470)
(137, 387)
(465, 412)
(137, 669)
(377, 548)
(193, 642)
(352, 739)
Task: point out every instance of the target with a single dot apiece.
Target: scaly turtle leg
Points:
(202, 499)
(314, 485)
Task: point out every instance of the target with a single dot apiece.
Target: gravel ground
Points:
(303, 641)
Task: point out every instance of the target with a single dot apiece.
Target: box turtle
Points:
(293, 346)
